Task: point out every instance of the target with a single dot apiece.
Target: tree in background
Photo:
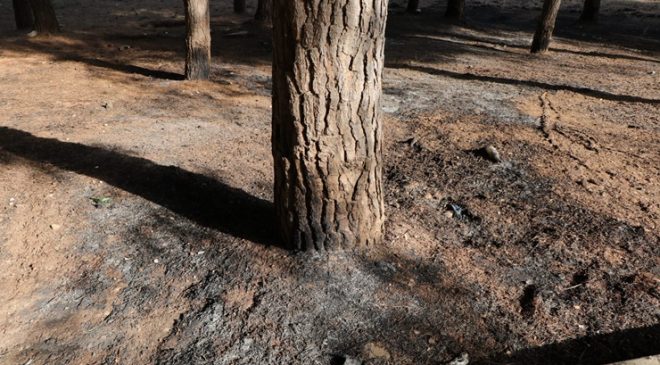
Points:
(23, 14)
(546, 26)
(326, 137)
(455, 9)
(264, 12)
(45, 20)
(198, 39)
(590, 11)
(413, 7)
(239, 6)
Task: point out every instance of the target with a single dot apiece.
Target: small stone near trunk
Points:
(492, 154)
(463, 359)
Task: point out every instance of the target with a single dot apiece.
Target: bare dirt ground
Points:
(135, 208)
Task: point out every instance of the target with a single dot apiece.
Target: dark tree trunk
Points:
(23, 14)
(239, 6)
(264, 12)
(45, 21)
(590, 11)
(413, 6)
(198, 39)
(327, 149)
(455, 9)
(546, 25)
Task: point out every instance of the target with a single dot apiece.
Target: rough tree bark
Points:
(455, 9)
(45, 21)
(198, 39)
(327, 70)
(239, 6)
(590, 11)
(23, 14)
(264, 12)
(413, 7)
(543, 34)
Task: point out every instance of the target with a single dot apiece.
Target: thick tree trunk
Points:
(590, 11)
(45, 21)
(198, 39)
(327, 70)
(413, 7)
(455, 9)
(23, 14)
(544, 30)
(264, 12)
(239, 6)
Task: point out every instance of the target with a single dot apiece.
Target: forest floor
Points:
(135, 208)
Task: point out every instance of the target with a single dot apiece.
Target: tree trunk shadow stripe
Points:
(197, 197)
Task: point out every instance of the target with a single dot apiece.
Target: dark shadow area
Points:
(599, 349)
(496, 44)
(126, 68)
(501, 80)
(618, 25)
(76, 54)
(197, 197)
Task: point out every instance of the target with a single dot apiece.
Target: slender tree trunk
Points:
(327, 149)
(544, 30)
(239, 6)
(23, 14)
(264, 12)
(413, 6)
(590, 11)
(45, 21)
(198, 39)
(455, 9)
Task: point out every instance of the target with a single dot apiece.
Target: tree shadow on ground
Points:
(599, 349)
(531, 83)
(197, 197)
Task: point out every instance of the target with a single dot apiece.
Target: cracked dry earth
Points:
(135, 209)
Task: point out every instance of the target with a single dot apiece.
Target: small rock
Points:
(32, 34)
(345, 360)
(375, 350)
(55, 227)
(652, 73)
(449, 214)
(247, 344)
(492, 154)
(124, 47)
(107, 104)
(156, 261)
(463, 359)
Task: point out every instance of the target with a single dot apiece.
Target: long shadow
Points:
(599, 349)
(502, 80)
(63, 54)
(126, 68)
(492, 45)
(197, 197)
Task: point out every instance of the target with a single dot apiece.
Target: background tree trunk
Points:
(590, 10)
(198, 39)
(544, 30)
(239, 6)
(45, 21)
(327, 149)
(264, 12)
(455, 9)
(23, 14)
(413, 6)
